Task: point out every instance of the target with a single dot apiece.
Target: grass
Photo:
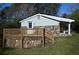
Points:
(63, 46)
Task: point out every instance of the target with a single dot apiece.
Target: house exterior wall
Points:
(40, 21)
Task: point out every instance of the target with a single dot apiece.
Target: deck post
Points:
(21, 38)
(43, 37)
(3, 38)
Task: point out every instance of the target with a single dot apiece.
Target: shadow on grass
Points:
(3, 50)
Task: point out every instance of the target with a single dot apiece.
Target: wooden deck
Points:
(15, 37)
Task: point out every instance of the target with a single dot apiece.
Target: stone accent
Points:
(55, 29)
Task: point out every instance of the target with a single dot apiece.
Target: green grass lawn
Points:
(63, 46)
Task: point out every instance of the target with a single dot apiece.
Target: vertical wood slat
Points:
(21, 37)
(43, 36)
(3, 37)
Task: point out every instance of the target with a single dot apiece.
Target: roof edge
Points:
(52, 17)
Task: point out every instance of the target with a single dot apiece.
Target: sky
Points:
(63, 9)
(3, 5)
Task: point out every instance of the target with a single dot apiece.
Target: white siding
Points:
(40, 21)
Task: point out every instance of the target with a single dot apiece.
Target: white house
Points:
(47, 21)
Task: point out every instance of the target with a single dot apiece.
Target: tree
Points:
(45, 8)
(66, 15)
(31, 9)
(75, 16)
(22, 11)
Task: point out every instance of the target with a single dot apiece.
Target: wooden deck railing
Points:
(34, 31)
(20, 33)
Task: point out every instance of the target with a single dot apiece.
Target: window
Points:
(30, 24)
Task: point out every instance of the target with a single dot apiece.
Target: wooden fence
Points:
(25, 38)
